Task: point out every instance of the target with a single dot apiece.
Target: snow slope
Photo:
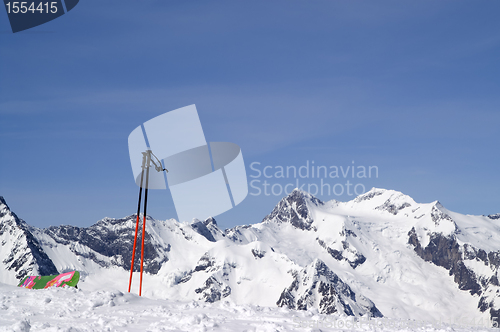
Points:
(108, 309)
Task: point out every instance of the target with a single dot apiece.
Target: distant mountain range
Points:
(380, 254)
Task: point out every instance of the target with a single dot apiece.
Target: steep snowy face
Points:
(20, 252)
(298, 227)
(432, 217)
(467, 247)
(208, 229)
(391, 201)
(316, 286)
(295, 210)
(247, 273)
(107, 243)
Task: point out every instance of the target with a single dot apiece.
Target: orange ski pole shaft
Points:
(136, 226)
(133, 250)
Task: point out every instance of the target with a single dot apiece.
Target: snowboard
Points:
(59, 280)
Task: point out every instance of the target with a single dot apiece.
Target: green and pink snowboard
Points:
(60, 280)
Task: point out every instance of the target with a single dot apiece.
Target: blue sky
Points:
(411, 87)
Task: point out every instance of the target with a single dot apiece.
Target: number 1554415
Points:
(25, 7)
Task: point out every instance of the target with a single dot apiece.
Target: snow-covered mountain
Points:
(381, 254)
(20, 251)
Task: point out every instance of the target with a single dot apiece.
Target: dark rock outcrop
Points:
(339, 254)
(113, 239)
(316, 286)
(446, 252)
(213, 290)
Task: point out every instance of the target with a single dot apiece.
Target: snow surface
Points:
(108, 309)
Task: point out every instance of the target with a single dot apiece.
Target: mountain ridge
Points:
(23, 254)
(392, 255)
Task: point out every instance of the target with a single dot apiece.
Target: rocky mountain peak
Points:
(210, 221)
(374, 192)
(21, 252)
(391, 201)
(443, 222)
(294, 209)
(316, 286)
(213, 228)
(2, 203)
(491, 216)
(202, 228)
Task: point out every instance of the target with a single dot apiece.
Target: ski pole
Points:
(144, 221)
(136, 224)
